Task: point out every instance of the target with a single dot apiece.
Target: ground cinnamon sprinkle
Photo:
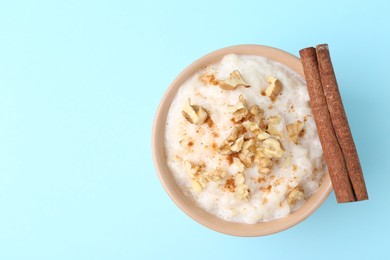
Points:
(302, 132)
(208, 79)
(260, 179)
(210, 122)
(266, 189)
(230, 185)
(214, 146)
(230, 157)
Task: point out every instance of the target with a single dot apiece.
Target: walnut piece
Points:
(196, 186)
(242, 189)
(295, 196)
(240, 110)
(294, 130)
(272, 129)
(272, 148)
(249, 147)
(274, 88)
(233, 142)
(215, 175)
(238, 164)
(236, 132)
(264, 163)
(237, 145)
(194, 172)
(192, 169)
(263, 135)
(245, 159)
(254, 140)
(233, 82)
(256, 110)
(194, 114)
(199, 178)
(251, 127)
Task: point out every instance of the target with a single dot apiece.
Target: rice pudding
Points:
(241, 140)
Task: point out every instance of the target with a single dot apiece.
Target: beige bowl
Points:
(168, 181)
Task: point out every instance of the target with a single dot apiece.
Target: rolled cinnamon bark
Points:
(340, 121)
(332, 151)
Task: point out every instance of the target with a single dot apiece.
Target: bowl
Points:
(167, 178)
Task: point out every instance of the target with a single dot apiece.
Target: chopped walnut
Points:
(208, 79)
(237, 145)
(263, 124)
(272, 148)
(249, 147)
(245, 159)
(193, 169)
(224, 148)
(194, 172)
(294, 130)
(274, 88)
(196, 186)
(242, 189)
(194, 114)
(252, 127)
(199, 178)
(264, 164)
(240, 110)
(233, 142)
(263, 135)
(231, 147)
(238, 164)
(272, 129)
(295, 196)
(233, 82)
(256, 110)
(216, 175)
(236, 132)
(254, 139)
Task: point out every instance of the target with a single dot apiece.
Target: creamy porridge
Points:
(241, 140)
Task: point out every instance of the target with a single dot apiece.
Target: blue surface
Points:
(80, 82)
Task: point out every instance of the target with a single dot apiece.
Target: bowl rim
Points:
(167, 179)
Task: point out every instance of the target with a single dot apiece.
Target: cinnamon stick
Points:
(340, 121)
(332, 151)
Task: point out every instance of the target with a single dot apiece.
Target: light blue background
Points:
(80, 82)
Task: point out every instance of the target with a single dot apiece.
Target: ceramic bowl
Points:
(167, 178)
